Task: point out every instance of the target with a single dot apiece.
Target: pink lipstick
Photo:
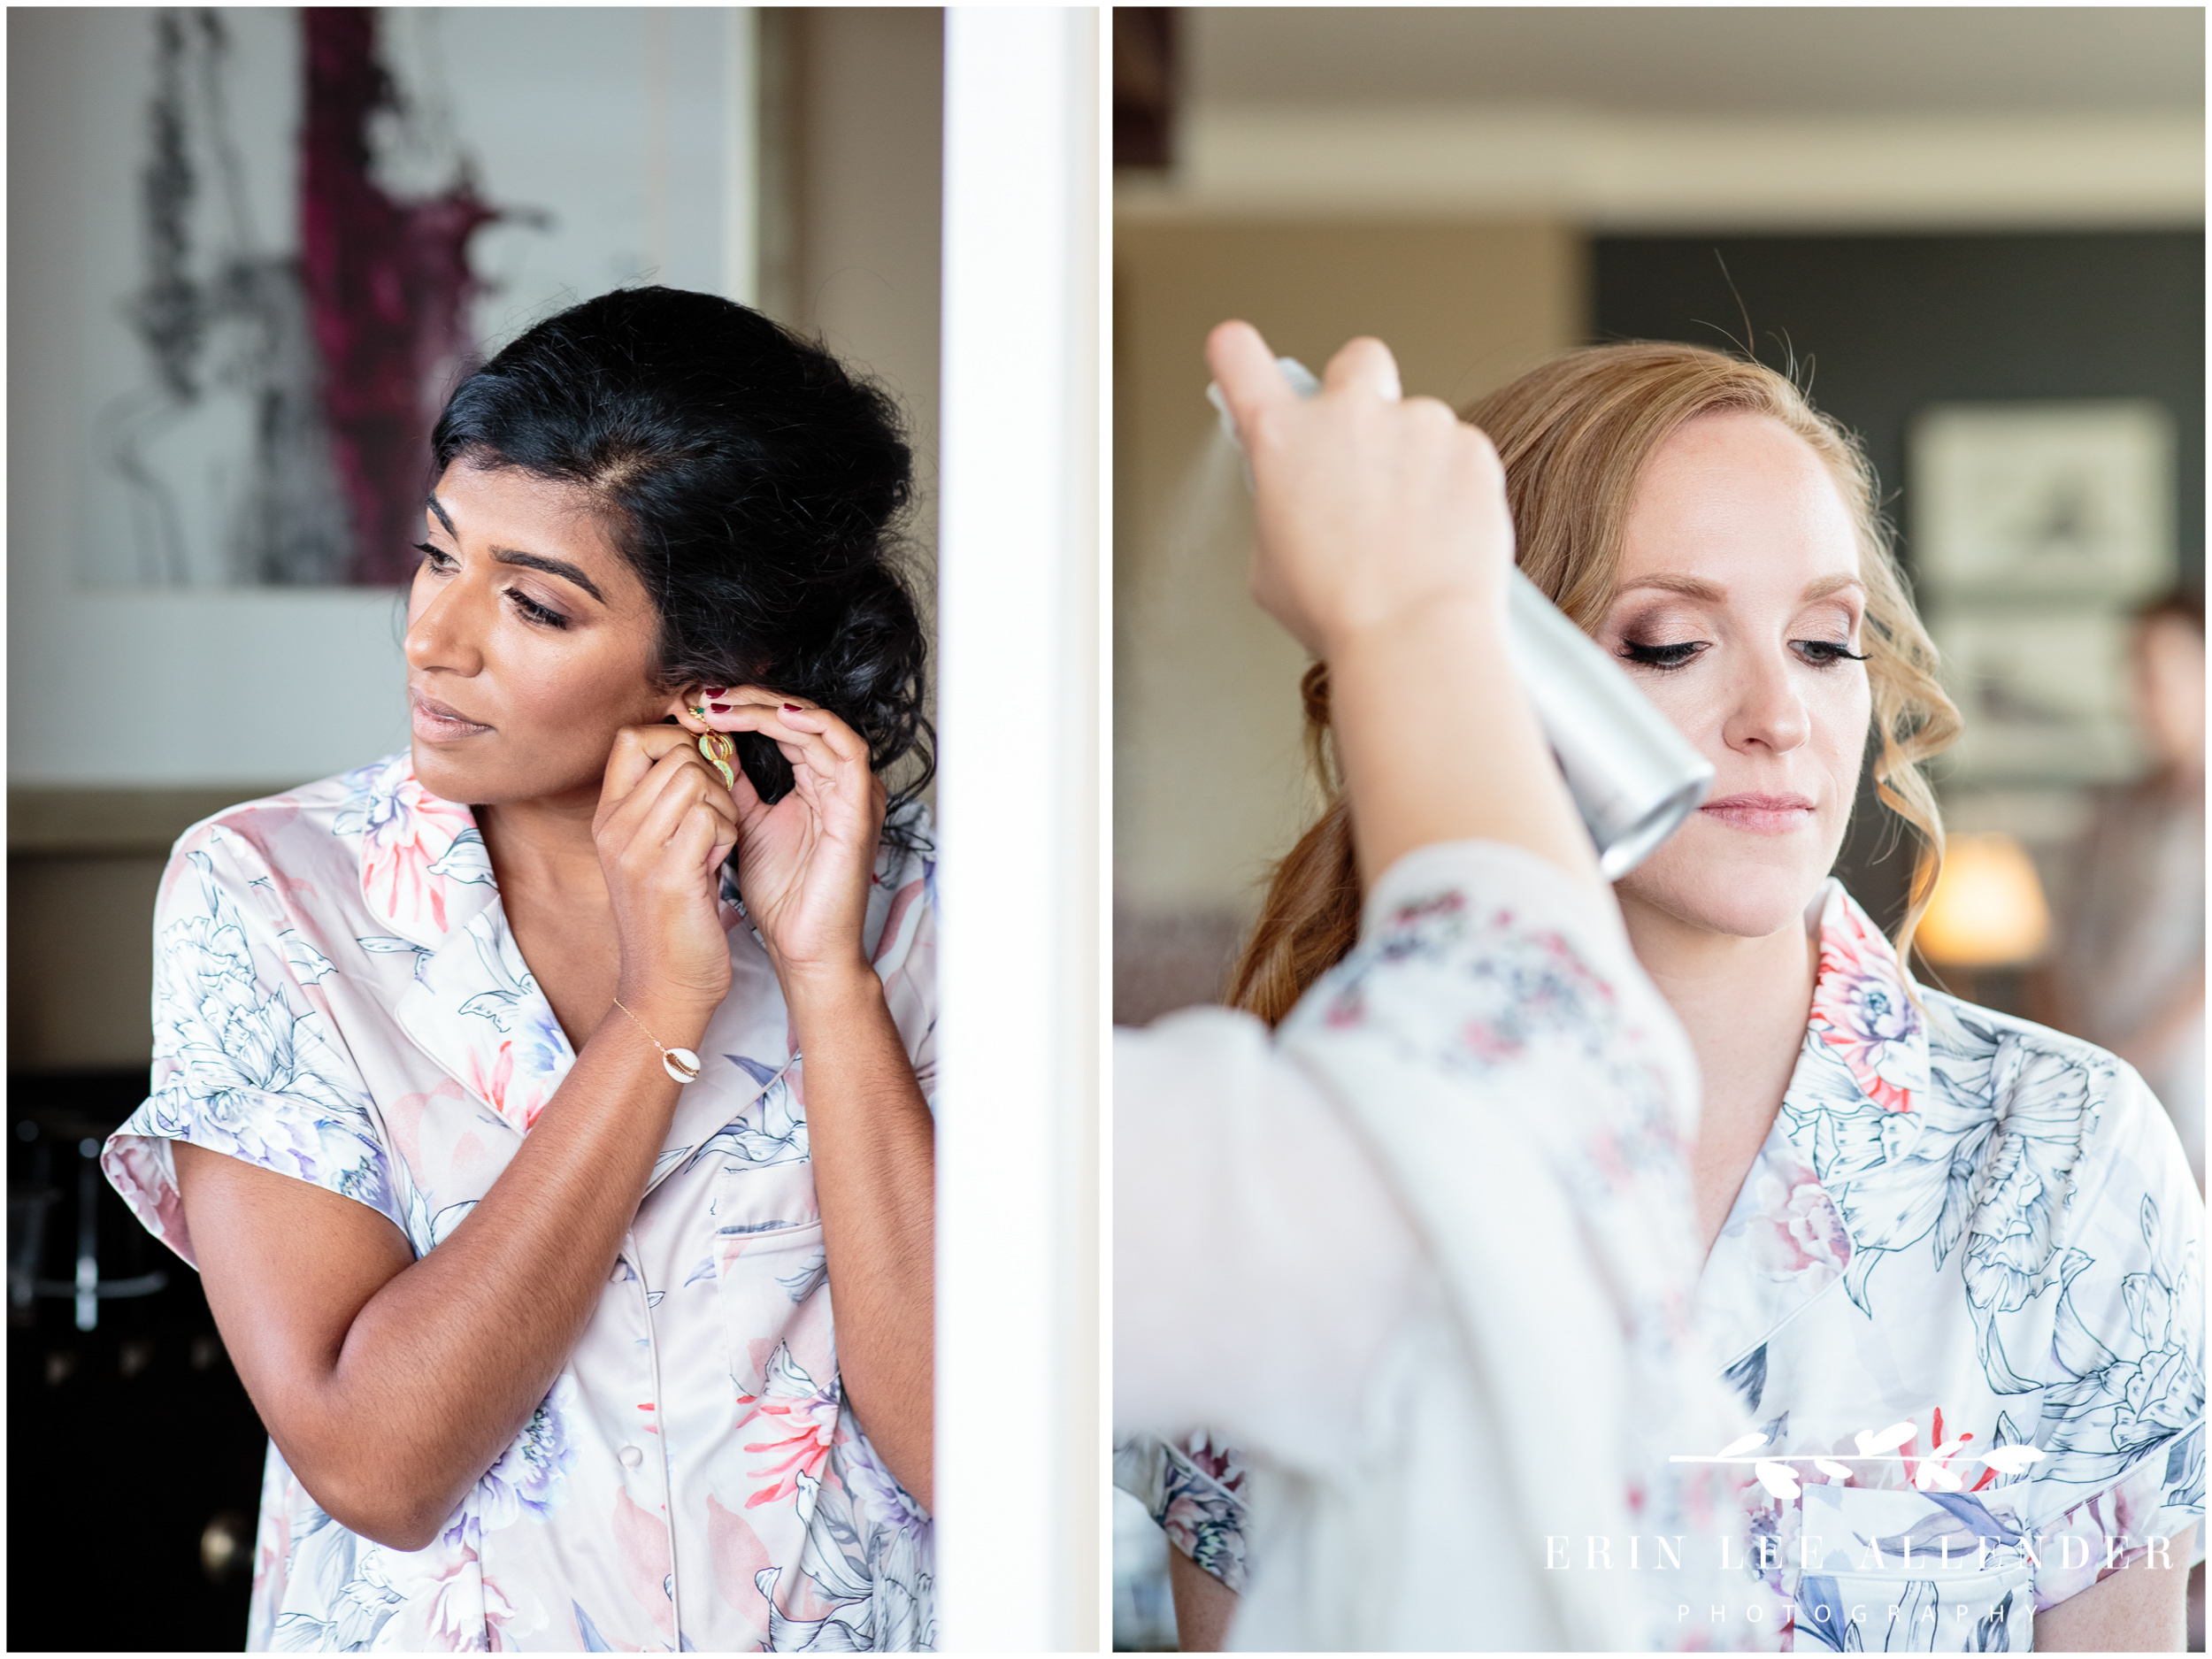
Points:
(1761, 814)
(436, 722)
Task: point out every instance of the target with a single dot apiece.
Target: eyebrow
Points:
(1829, 585)
(1697, 588)
(561, 568)
(1690, 587)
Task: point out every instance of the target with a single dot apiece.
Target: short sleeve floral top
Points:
(1960, 1294)
(338, 998)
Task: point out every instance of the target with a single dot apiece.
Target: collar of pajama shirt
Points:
(1965, 1233)
(339, 998)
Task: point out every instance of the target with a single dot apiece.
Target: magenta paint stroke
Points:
(388, 285)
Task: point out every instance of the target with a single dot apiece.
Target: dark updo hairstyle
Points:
(754, 484)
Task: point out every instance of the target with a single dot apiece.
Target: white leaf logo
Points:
(1935, 1475)
(2010, 1460)
(1829, 1466)
(1872, 1445)
(1778, 1479)
(1737, 1448)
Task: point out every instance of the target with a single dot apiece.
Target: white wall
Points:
(1209, 781)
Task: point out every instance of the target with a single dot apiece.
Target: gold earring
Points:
(717, 747)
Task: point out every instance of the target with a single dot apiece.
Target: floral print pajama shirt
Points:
(338, 998)
(1443, 1302)
(1965, 1233)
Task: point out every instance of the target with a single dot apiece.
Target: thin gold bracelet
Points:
(679, 1063)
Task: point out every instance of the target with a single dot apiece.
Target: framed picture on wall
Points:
(2044, 694)
(299, 225)
(2067, 500)
(2037, 527)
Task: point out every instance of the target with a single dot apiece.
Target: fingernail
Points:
(719, 708)
(714, 691)
(795, 707)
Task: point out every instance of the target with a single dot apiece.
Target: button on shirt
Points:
(338, 998)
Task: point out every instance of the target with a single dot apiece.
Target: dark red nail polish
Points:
(795, 707)
(719, 708)
(714, 691)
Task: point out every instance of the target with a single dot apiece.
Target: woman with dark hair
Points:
(524, 1099)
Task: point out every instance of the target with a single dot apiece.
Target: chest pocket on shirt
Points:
(772, 1270)
(1896, 1571)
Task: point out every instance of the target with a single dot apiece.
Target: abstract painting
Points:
(334, 212)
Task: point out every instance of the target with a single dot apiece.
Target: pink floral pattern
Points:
(406, 835)
(797, 1420)
(1862, 1009)
(1794, 1229)
(1200, 1507)
(339, 999)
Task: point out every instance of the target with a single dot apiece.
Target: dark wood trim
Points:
(88, 823)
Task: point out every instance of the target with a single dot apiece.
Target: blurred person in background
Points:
(1951, 1258)
(523, 1097)
(1440, 1396)
(2129, 972)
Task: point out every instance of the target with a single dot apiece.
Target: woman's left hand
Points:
(804, 868)
(803, 865)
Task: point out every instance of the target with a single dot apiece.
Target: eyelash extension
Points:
(1815, 653)
(535, 612)
(1832, 652)
(528, 606)
(1661, 656)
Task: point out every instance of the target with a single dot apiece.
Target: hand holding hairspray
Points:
(1633, 776)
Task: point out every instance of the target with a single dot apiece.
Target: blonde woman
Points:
(1937, 1234)
(1348, 1326)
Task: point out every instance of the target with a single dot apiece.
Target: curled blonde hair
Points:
(1575, 435)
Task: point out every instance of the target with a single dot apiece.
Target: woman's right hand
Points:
(1385, 545)
(664, 824)
(1372, 508)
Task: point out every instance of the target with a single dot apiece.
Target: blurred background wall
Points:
(155, 169)
(1921, 207)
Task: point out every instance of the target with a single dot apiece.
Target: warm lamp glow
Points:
(1988, 909)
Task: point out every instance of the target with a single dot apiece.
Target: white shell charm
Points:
(679, 1063)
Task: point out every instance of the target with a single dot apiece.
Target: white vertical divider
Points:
(1018, 1455)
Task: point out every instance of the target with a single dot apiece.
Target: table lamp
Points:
(1988, 909)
